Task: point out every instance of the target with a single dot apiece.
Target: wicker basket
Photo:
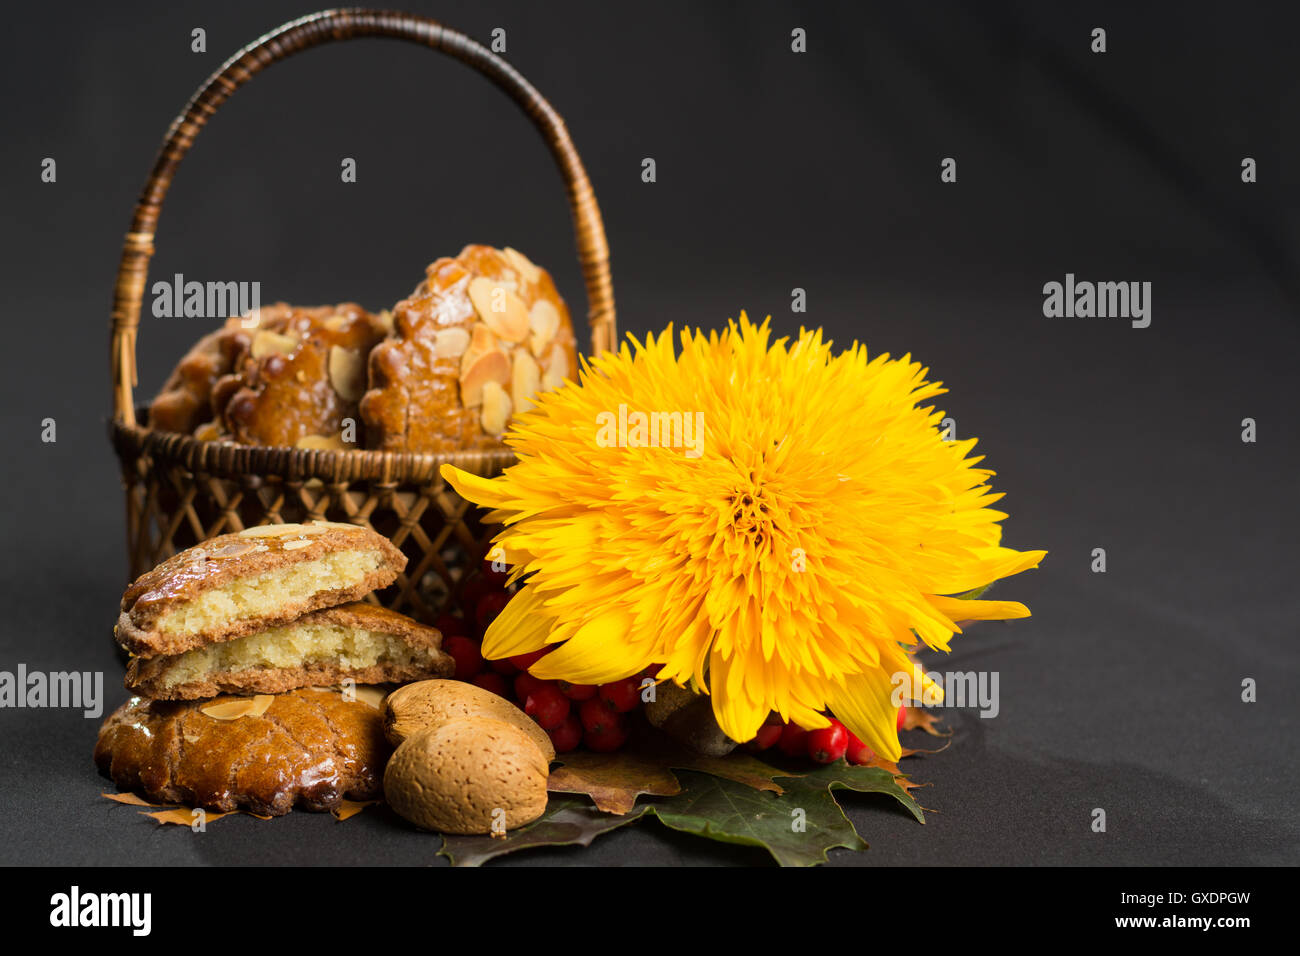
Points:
(180, 491)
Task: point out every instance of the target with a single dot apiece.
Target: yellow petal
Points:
(521, 627)
(960, 610)
(487, 492)
(597, 653)
(863, 705)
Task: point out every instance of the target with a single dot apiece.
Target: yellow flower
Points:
(783, 557)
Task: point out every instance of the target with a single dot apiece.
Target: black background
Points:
(775, 171)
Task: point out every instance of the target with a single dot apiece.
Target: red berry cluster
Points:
(825, 745)
(571, 714)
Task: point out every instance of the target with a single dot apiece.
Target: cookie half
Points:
(238, 584)
(311, 748)
(359, 642)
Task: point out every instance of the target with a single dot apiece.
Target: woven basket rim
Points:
(289, 39)
(231, 460)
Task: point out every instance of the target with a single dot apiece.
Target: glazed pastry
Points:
(479, 337)
(185, 402)
(309, 747)
(361, 642)
(238, 584)
(300, 378)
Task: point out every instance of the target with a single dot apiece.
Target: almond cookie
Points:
(360, 642)
(309, 747)
(237, 584)
(472, 345)
(300, 378)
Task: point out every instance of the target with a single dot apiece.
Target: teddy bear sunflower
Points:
(765, 522)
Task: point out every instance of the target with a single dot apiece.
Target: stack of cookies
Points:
(273, 612)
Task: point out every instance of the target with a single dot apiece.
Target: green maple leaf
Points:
(796, 827)
(796, 824)
(566, 822)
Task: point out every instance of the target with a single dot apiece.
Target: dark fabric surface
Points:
(774, 171)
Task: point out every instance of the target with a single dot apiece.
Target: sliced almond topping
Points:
(323, 442)
(369, 694)
(347, 373)
(551, 380)
(559, 360)
(482, 339)
(489, 367)
(525, 379)
(233, 550)
(496, 408)
(544, 320)
(557, 368)
(232, 708)
(385, 321)
(267, 343)
(337, 322)
(500, 308)
(296, 544)
(451, 343)
(271, 530)
(522, 264)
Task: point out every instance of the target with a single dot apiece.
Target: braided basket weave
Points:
(180, 490)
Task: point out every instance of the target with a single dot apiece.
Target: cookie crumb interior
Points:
(266, 593)
(293, 646)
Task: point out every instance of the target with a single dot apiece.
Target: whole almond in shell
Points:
(429, 703)
(464, 775)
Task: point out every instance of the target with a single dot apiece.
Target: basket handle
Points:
(303, 34)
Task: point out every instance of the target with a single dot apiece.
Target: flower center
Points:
(752, 512)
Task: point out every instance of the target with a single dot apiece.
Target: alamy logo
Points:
(204, 300)
(1085, 300)
(960, 689)
(654, 430)
(75, 689)
(75, 908)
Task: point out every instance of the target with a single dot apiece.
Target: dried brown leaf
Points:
(614, 780)
(918, 719)
(131, 800)
(350, 808)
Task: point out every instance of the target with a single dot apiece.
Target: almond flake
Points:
(500, 309)
(557, 368)
(491, 367)
(270, 530)
(371, 695)
(267, 343)
(233, 550)
(347, 373)
(450, 343)
(529, 272)
(496, 408)
(544, 320)
(525, 379)
(232, 708)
